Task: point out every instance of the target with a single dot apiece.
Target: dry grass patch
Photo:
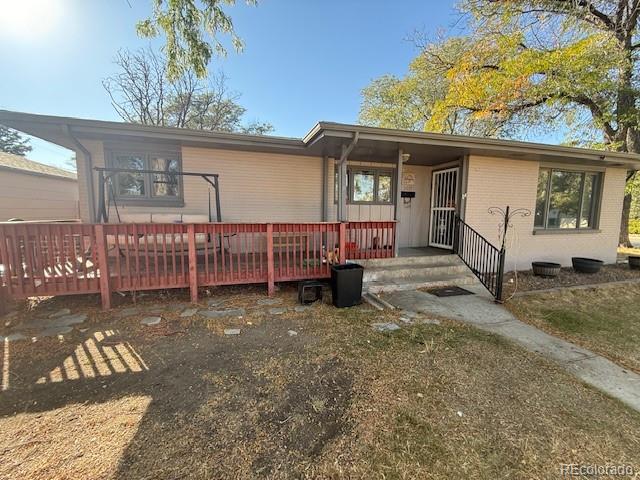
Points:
(454, 402)
(604, 319)
(337, 400)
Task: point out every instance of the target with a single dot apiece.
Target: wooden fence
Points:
(46, 259)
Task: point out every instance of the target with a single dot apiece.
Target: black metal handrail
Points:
(484, 259)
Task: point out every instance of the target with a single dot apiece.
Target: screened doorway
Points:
(444, 195)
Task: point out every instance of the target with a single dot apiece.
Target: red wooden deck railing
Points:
(47, 259)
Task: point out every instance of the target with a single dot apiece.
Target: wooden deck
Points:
(61, 259)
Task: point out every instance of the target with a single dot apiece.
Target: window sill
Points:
(389, 204)
(149, 202)
(562, 231)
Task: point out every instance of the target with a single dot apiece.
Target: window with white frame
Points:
(162, 188)
(367, 185)
(567, 199)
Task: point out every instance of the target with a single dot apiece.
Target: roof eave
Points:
(476, 144)
(38, 174)
(88, 128)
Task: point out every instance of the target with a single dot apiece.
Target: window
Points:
(369, 185)
(364, 188)
(130, 184)
(566, 199)
(385, 187)
(165, 184)
(148, 188)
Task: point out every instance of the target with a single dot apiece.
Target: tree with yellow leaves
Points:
(538, 64)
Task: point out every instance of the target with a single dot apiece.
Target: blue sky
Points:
(304, 61)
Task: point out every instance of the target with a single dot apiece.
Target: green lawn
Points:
(605, 320)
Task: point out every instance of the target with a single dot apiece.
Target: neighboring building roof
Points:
(24, 165)
(325, 138)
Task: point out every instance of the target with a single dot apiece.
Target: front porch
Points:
(44, 259)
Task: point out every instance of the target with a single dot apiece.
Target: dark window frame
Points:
(377, 171)
(596, 199)
(148, 199)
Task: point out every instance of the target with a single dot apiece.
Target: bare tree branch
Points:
(141, 92)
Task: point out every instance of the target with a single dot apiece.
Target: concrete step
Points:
(393, 272)
(420, 281)
(424, 260)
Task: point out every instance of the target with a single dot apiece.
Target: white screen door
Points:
(444, 195)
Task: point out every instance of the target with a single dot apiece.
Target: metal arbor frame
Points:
(102, 214)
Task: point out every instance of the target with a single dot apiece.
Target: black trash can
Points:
(346, 284)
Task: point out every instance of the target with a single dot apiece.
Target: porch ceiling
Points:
(368, 149)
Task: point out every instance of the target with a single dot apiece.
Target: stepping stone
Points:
(127, 312)
(269, 301)
(69, 320)
(301, 308)
(39, 323)
(189, 312)
(175, 307)
(292, 333)
(406, 320)
(54, 331)
(215, 302)
(150, 321)
(14, 337)
(430, 321)
(232, 331)
(277, 310)
(234, 312)
(385, 327)
(60, 313)
(409, 314)
(155, 308)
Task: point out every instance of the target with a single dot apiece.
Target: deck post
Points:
(103, 266)
(5, 276)
(271, 286)
(342, 241)
(397, 201)
(193, 262)
(4, 299)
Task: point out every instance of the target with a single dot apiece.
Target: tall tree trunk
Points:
(624, 240)
(633, 145)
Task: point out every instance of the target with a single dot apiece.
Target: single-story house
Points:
(340, 172)
(33, 191)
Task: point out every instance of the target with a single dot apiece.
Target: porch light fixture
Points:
(406, 157)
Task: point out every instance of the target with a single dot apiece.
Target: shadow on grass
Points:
(247, 406)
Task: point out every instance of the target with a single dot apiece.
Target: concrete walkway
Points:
(480, 311)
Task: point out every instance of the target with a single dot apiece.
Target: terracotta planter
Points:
(545, 269)
(586, 265)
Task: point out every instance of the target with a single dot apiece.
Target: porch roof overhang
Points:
(324, 139)
(432, 148)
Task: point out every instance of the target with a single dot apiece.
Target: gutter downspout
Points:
(342, 164)
(88, 173)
